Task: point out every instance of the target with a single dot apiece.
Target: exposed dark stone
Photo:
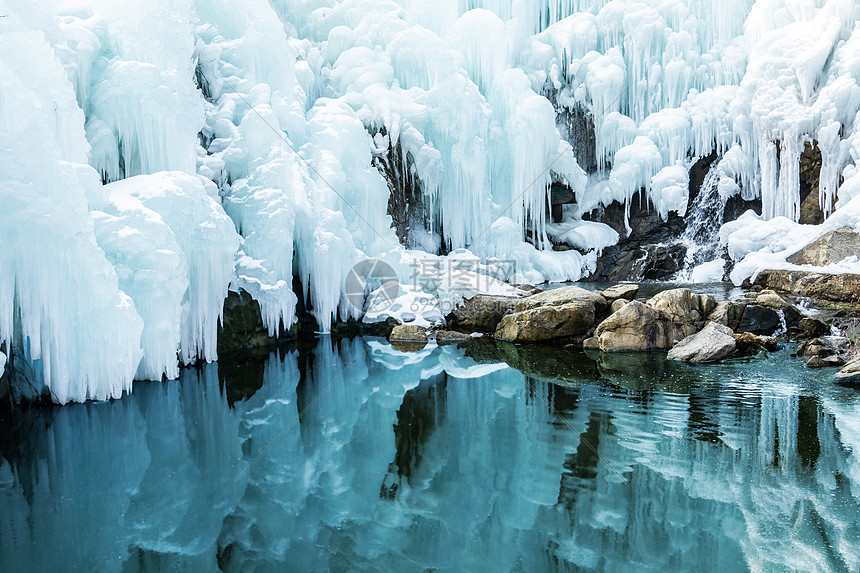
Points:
(809, 328)
(650, 252)
(760, 320)
(405, 201)
(577, 126)
(736, 206)
(810, 176)
(560, 195)
(698, 172)
(242, 326)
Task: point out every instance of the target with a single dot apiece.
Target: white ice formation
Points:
(157, 152)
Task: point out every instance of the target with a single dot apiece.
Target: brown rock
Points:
(748, 343)
(833, 287)
(618, 305)
(728, 313)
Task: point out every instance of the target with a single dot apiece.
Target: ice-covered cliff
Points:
(155, 154)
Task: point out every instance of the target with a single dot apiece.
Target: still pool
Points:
(354, 456)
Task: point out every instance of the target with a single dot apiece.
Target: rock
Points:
(548, 322)
(241, 328)
(685, 310)
(714, 342)
(850, 373)
(444, 337)
(759, 319)
(592, 343)
(561, 296)
(728, 314)
(824, 351)
(832, 287)
(408, 333)
(621, 292)
(628, 262)
(749, 343)
(829, 248)
(618, 305)
(833, 361)
(809, 328)
(481, 313)
(637, 326)
(771, 299)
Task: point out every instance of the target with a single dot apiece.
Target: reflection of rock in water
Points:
(422, 410)
(581, 467)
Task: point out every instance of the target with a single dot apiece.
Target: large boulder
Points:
(728, 313)
(623, 291)
(829, 248)
(712, 343)
(408, 333)
(758, 319)
(749, 343)
(833, 287)
(481, 313)
(685, 310)
(559, 313)
(547, 322)
(559, 297)
(850, 373)
(636, 326)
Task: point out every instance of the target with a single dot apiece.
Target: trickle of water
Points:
(704, 219)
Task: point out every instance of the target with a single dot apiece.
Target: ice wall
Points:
(273, 112)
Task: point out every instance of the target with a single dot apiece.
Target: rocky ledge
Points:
(692, 327)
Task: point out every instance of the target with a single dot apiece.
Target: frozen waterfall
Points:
(160, 152)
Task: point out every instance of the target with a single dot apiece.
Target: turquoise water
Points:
(443, 460)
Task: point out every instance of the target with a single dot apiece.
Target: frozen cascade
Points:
(279, 104)
(704, 219)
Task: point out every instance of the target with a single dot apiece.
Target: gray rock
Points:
(728, 314)
(561, 296)
(481, 313)
(850, 373)
(449, 337)
(548, 322)
(829, 248)
(712, 343)
(685, 310)
(833, 287)
(408, 333)
(621, 292)
(637, 326)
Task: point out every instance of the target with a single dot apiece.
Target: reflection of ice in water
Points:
(439, 460)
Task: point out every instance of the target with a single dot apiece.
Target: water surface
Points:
(447, 459)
